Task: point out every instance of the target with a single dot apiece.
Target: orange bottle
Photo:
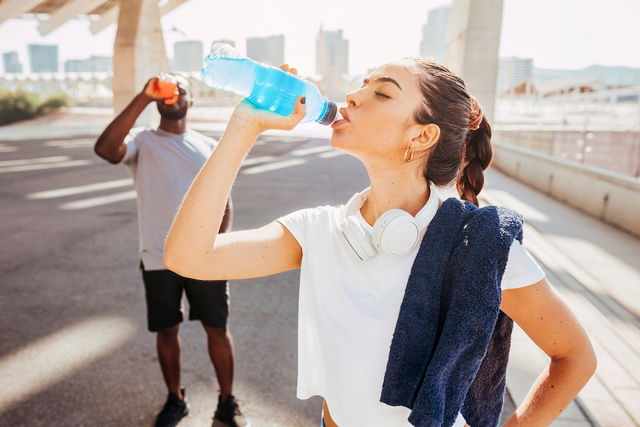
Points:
(166, 85)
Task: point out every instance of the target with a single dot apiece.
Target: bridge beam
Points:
(69, 10)
(14, 8)
(111, 15)
(473, 41)
(139, 51)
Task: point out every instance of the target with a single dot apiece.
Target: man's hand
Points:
(156, 89)
(110, 144)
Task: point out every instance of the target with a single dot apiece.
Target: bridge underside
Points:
(139, 50)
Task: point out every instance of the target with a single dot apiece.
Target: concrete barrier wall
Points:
(609, 196)
(617, 151)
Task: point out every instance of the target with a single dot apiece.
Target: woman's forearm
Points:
(552, 391)
(196, 225)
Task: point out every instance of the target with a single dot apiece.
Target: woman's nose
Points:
(351, 99)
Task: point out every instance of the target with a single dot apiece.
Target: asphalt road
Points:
(74, 349)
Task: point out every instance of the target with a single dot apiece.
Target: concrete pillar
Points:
(138, 53)
(473, 41)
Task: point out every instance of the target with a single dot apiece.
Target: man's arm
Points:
(110, 144)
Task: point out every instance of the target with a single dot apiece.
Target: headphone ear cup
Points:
(396, 233)
(357, 238)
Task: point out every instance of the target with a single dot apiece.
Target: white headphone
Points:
(396, 233)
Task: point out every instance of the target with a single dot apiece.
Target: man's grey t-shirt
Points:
(163, 166)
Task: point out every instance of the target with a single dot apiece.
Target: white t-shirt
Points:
(347, 312)
(163, 166)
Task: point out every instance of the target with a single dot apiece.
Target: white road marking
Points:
(44, 166)
(7, 149)
(70, 191)
(330, 154)
(253, 160)
(311, 150)
(273, 166)
(98, 201)
(35, 160)
(41, 364)
(71, 143)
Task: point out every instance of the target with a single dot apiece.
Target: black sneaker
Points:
(228, 412)
(174, 410)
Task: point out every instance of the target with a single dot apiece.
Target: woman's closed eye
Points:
(380, 94)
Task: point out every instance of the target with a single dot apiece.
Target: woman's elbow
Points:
(170, 263)
(174, 263)
(590, 361)
(584, 362)
(181, 266)
(588, 358)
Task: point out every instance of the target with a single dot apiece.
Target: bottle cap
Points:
(223, 50)
(330, 115)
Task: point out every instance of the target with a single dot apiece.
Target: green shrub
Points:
(53, 103)
(21, 105)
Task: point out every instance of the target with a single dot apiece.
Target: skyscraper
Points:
(434, 34)
(11, 62)
(266, 49)
(512, 71)
(43, 58)
(91, 65)
(332, 53)
(187, 55)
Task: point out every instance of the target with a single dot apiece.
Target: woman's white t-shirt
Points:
(347, 312)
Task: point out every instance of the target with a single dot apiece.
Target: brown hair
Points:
(460, 153)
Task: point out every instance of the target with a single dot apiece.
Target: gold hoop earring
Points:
(405, 155)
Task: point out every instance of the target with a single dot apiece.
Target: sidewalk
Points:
(596, 269)
(58, 125)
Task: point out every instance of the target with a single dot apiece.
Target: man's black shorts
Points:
(208, 299)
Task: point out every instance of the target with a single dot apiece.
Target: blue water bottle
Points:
(266, 87)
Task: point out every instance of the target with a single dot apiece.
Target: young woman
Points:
(414, 126)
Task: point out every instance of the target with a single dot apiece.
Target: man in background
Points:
(163, 162)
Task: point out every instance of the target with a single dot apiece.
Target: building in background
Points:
(225, 41)
(607, 74)
(93, 64)
(11, 62)
(332, 64)
(512, 71)
(266, 49)
(43, 58)
(332, 53)
(187, 55)
(434, 34)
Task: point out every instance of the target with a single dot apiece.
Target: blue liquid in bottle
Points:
(266, 87)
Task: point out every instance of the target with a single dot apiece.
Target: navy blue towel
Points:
(451, 342)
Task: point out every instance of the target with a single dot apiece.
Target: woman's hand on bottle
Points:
(246, 115)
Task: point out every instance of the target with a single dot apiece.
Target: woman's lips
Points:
(343, 121)
(339, 123)
(344, 114)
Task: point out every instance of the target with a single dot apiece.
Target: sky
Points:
(567, 34)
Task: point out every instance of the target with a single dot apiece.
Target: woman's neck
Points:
(400, 188)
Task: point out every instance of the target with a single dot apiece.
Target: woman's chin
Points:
(338, 140)
(339, 144)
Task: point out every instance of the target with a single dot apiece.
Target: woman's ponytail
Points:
(463, 150)
(477, 157)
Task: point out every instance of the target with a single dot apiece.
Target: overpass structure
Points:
(139, 45)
